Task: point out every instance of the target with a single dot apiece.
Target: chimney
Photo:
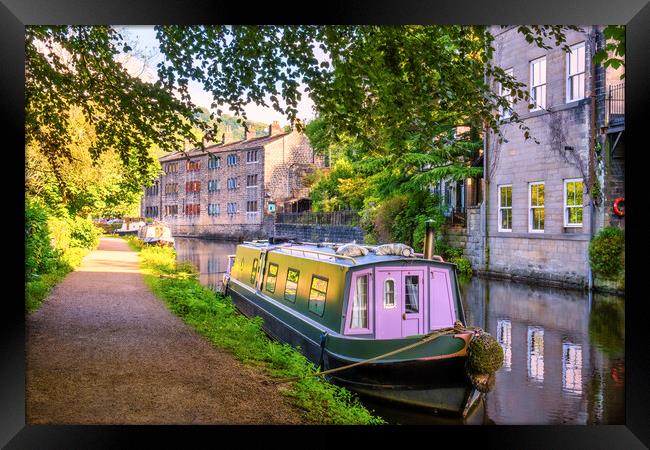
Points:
(227, 135)
(250, 134)
(275, 128)
(429, 240)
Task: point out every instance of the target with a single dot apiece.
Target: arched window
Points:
(389, 293)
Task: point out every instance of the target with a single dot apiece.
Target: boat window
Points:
(389, 293)
(317, 295)
(360, 305)
(292, 285)
(254, 271)
(411, 295)
(271, 277)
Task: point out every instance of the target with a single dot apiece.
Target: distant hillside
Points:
(261, 129)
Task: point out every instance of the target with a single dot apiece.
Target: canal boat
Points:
(156, 233)
(342, 310)
(130, 226)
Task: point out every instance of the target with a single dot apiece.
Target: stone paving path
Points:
(104, 350)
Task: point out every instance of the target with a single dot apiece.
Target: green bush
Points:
(606, 252)
(54, 246)
(463, 265)
(59, 232)
(83, 233)
(40, 256)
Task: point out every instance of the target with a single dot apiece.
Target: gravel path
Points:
(104, 350)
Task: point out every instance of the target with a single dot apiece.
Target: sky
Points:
(145, 39)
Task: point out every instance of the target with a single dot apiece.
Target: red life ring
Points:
(617, 211)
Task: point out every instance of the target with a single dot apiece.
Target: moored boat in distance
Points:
(343, 305)
(130, 226)
(156, 233)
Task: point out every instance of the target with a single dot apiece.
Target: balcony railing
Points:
(615, 105)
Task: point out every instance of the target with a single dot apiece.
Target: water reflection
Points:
(209, 257)
(564, 359)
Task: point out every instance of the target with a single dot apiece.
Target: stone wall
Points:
(469, 238)
(319, 233)
(557, 254)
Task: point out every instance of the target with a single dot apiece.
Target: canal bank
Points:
(104, 350)
(564, 348)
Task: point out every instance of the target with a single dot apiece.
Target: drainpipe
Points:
(486, 193)
(592, 149)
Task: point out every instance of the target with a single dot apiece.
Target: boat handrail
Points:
(316, 252)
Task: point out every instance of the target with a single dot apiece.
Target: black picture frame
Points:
(15, 14)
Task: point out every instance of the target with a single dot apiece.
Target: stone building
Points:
(232, 189)
(545, 201)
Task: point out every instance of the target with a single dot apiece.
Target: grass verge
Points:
(215, 317)
(38, 288)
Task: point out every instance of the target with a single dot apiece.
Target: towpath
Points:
(104, 350)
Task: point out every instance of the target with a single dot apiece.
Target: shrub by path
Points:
(104, 350)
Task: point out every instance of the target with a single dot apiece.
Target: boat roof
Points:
(326, 253)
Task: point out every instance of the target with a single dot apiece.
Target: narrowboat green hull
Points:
(429, 376)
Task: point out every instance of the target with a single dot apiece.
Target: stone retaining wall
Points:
(319, 233)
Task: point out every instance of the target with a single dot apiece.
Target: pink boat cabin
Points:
(394, 301)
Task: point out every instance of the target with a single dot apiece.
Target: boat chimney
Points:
(429, 240)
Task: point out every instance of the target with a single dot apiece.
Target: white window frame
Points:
(531, 207)
(394, 304)
(507, 113)
(504, 338)
(248, 156)
(572, 366)
(570, 75)
(501, 208)
(566, 206)
(542, 86)
(249, 203)
(535, 367)
(252, 185)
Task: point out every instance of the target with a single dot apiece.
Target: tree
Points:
(395, 92)
(613, 53)
(70, 67)
(105, 186)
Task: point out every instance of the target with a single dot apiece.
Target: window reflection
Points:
(213, 265)
(536, 353)
(504, 337)
(572, 367)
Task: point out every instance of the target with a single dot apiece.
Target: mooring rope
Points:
(457, 328)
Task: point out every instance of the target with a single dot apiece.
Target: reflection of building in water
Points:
(572, 368)
(504, 337)
(209, 257)
(553, 372)
(536, 353)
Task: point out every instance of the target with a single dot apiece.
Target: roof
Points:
(321, 252)
(223, 148)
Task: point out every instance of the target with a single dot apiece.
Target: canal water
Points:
(564, 360)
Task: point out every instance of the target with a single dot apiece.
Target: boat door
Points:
(399, 303)
(261, 270)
